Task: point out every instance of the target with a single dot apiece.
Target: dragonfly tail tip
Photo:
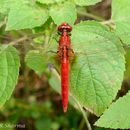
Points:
(65, 109)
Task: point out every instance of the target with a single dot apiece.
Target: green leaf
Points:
(123, 32)
(121, 16)
(55, 81)
(50, 1)
(6, 5)
(120, 10)
(36, 61)
(9, 71)
(86, 2)
(3, 7)
(118, 114)
(97, 72)
(63, 13)
(26, 16)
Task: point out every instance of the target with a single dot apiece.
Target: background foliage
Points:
(100, 40)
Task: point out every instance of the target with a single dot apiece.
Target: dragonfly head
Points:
(65, 26)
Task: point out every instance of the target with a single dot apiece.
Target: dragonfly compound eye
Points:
(64, 26)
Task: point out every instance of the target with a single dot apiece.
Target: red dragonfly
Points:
(93, 50)
(64, 51)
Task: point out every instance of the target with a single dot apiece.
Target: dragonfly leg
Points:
(59, 53)
(59, 33)
(56, 39)
(69, 34)
(70, 52)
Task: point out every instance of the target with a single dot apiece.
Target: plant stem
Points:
(108, 22)
(89, 15)
(18, 40)
(81, 124)
(86, 119)
(84, 115)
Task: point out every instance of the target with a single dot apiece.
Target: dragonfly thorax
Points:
(64, 41)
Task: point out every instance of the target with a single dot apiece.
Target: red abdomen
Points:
(64, 82)
(63, 51)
